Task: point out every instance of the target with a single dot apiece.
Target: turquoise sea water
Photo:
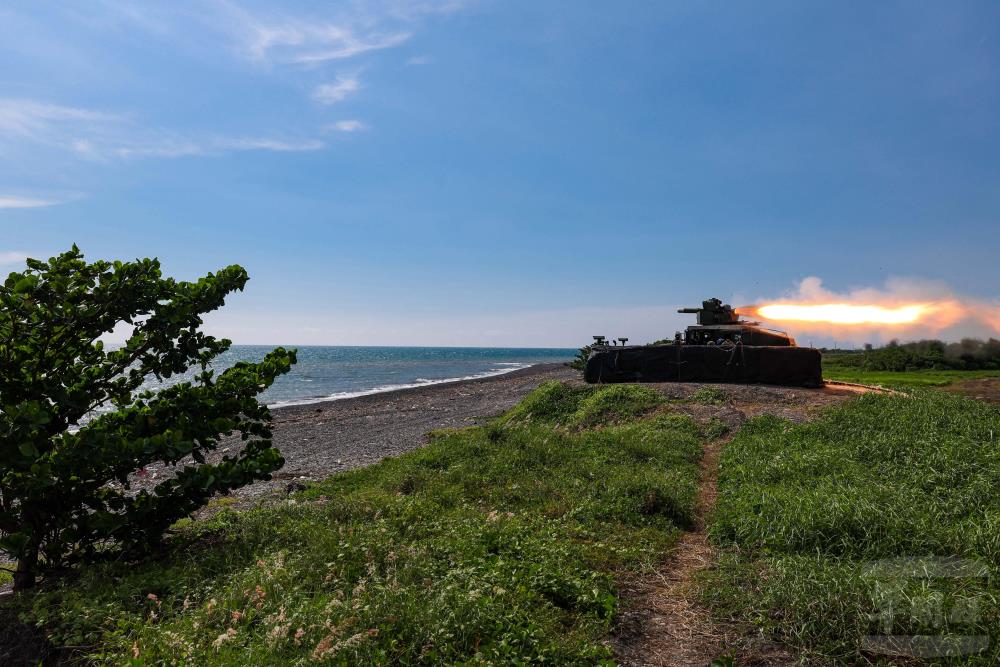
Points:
(324, 373)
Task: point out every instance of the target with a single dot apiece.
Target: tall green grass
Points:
(904, 379)
(807, 511)
(498, 544)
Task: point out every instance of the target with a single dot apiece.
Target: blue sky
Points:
(484, 172)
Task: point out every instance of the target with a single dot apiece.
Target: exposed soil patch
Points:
(664, 623)
(795, 404)
(984, 389)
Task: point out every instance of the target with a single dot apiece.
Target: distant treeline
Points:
(967, 354)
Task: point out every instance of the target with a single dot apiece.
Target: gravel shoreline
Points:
(321, 439)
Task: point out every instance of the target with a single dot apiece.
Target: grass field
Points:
(919, 378)
(492, 544)
(808, 515)
(503, 543)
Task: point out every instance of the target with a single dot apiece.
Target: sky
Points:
(487, 172)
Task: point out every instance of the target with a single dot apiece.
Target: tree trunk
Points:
(27, 564)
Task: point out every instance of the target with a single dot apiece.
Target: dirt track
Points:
(663, 623)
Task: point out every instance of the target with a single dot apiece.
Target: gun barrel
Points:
(689, 310)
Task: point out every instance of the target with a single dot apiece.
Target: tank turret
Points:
(720, 324)
(713, 311)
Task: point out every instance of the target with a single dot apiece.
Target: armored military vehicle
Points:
(721, 347)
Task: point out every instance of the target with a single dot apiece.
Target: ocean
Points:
(334, 372)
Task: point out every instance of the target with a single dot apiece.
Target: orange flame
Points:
(846, 313)
(905, 308)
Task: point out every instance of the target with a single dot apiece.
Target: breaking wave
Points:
(509, 367)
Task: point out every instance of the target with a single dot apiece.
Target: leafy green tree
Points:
(75, 424)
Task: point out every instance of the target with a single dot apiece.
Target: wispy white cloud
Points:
(14, 201)
(411, 10)
(23, 116)
(274, 33)
(274, 36)
(9, 257)
(216, 146)
(348, 126)
(41, 121)
(97, 135)
(151, 147)
(264, 144)
(419, 60)
(310, 44)
(338, 91)
(344, 31)
(85, 132)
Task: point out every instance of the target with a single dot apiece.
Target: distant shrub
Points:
(967, 354)
(580, 361)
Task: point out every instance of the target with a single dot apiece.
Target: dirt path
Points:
(983, 389)
(675, 629)
(665, 624)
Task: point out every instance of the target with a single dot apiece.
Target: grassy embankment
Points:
(805, 510)
(499, 543)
